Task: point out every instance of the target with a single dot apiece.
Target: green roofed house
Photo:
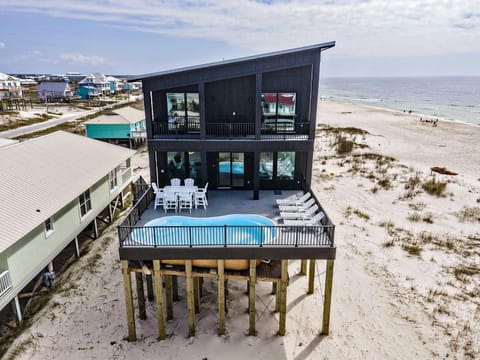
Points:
(124, 126)
(52, 189)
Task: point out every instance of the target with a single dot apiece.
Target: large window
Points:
(279, 111)
(85, 203)
(277, 166)
(183, 110)
(185, 165)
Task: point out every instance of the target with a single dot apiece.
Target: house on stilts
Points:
(246, 127)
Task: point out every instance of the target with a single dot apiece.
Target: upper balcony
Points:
(179, 127)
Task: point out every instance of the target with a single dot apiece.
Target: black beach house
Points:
(247, 123)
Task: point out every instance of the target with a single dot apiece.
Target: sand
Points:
(407, 273)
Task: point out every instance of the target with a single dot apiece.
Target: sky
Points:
(373, 37)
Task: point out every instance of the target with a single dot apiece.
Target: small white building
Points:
(10, 87)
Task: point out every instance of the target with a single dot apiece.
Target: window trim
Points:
(87, 200)
(113, 180)
(49, 232)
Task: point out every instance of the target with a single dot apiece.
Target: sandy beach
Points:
(407, 274)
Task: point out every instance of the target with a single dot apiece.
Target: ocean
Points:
(453, 98)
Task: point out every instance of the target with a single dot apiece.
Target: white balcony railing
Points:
(5, 282)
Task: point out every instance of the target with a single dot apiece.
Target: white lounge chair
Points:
(175, 182)
(159, 196)
(306, 222)
(189, 182)
(300, 207)
(290, 198)
(298, 201)
(300, 214)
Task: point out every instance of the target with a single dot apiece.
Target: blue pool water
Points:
(240, 229)
(236, 168)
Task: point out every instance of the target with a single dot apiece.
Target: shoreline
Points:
(396, 111)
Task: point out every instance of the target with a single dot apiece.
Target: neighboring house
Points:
(54, 90)
(121, 126)
(51, 189)
(10, 87)
(97, 81)
(87, 92)
(132, 86)
(239, 124)
(116, 85)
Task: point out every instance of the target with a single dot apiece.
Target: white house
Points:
(10, 87)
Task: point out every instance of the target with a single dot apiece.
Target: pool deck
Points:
(224, 202)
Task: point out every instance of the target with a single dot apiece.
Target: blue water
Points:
(242, 229)
(236, 167)
(453, 98)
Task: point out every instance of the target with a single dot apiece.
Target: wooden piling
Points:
(311, 277)
(251, 297)
(283, 299)
(196, 293)
(142, 312)
(303, 267)
(327, 298)
(190, 298)
(162, 334)
(149, 281)
(127, 283)
(175, 288)
(277, 297)
(221, 297)
(274, 288)
(168, 296)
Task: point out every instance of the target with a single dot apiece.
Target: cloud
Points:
(82, 59)
(370, 27)
(2, 45)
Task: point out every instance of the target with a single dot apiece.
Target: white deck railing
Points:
(5, 283)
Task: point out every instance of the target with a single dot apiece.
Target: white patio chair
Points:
(300, 207)
(159, 196)
(175, 182)
(170, 202)
(300, 214)
(189, 182)
(185, 200)
(298, 201)
(306, 222)
(200, 197)
(290, 198)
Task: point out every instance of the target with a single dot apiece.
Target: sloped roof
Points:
(125, 115)
(4, 77)
(39, 177)
(96, 78)
(320, 47)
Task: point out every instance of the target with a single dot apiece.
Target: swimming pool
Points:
(233, 229)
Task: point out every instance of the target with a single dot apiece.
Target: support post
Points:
(190, 295)
(327, 298)
(95, 228)
(162, 334)
(110, 213)
(311, 277)
(168, 295)
(77, 249)
(175, 288)
(274, 288)
(127, 283)
(149, 281)
(303, 267)
(221, 296)
(142, 312)
(50, 266)
(196, 293)
(18, 310)
(277, 297)
(251, 297)
(283, 299)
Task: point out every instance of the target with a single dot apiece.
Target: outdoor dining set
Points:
(179, 197)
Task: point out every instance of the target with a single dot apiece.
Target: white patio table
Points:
(180, 189)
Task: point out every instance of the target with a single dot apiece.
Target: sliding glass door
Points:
(231, 170)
